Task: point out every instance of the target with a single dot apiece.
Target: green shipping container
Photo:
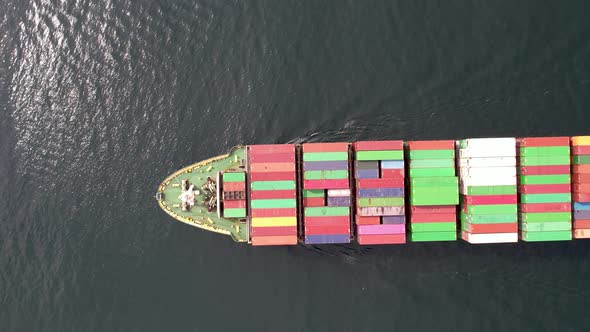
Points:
(273, 203)
(434, 196)
(432, 154)
(313, 193)
(433, 236)
(545, 160)
(546, 226)
(582, 160)
(545, 179)
(546, 236)
(432, 163)
(331, 211)
(234, 213)
(432, 172)
(492, 209)
(433, 227)
(546, 217)
(380, 155)
(546, 198)
(444, 181)
(490, 218)
(538, 151)
(234, 177)
(272, 185)
(380, 201)
(319, 175)
(325, 156)
(491, 190)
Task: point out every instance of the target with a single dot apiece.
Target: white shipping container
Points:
(487, 181)
(338, 192)
(487, 152)
(478, 143)
(490, 237)
(488, 162)
(495, 172)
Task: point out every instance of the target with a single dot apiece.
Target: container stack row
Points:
(326, 193)
(488, 186)
(545, 189)
(273, 197)
(581, 186)
(434, 192)
(234, 194)
(380, 206)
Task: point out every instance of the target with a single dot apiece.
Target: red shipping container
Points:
(492, 228)
(313, 201)
(393, 173)
(283, 212)
(274, 231)
(582, 223)
(580, 197)
(581, 150)
(581, 178)
(326, 184)
(431, 145)
(581, 233)
(234, 186)
(577, 169)
(327, 229)
(272, 167)
(325, 147)
(272, 158)
(545, 188)
(272, 194)
(544, 141)
(271, 148)
(491, 199)
(272, 176)
(581, 188)
(545, 170)
(379, 145)
(379, 183)
(361, 220)
(545, 207)
(281, 240)
(322, 221)
(381, 239)
(234, 204)
(433, 209)
(434, 217)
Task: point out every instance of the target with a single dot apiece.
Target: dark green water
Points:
(100, 100)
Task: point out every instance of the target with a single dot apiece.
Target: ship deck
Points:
(198, 216)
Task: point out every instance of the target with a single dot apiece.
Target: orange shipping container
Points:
(274, 240)
(272, 167)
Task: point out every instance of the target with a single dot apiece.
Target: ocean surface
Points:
(101, 100)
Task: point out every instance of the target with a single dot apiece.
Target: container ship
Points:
(478, 190)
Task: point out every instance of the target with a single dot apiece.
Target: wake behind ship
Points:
(481, 190)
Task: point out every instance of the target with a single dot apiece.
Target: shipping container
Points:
(332, 211)
(327, 239)
(486, 143)
(580, 140)
(379, 145)
(392, 173)
(380, 201)
(274, 240)
(380, 211)
(271, 194)
(490, 209)
(433, 227)
(381, 229)
(538, 151)
(546, 226)
(380, 192)
(379, 183)
(581, 223)
(325, 165)
(545, 188)
(380, 155)
(234, 186)
(433, 209)
(545, 179)
(326, 220)
(325, 147)
(490, 238)
(581, 150)
(270, 149)
(544, 170)
(381, 239)
(339, 201)
(581, 214)
(283, 212)
(545, 216)
(234, 213)
(488, 162)
(432, 154)
(273, 221)
(546, 198)
(511, 227)
(272, 167)
(321, 175)
(272, 185)
(545, 207)
(392, 164)
(389, 220)
(496, 218)
(234, 204)
(327, 229)
(546, 236)
(367, 173)
(338, 192)
(582, 233)
(272, 176)
(274, 231)
(360, 220)
(314, 201)
(433, 236)
(581, 206)
(373, 165)
(431, 145)
(544, 141)
(432, 163)
(432, 172)
(272, 158)
(545, 160)
(234, 177)
(434, 217)
(326, 184)
(325, 156)
(489, 190)
(491, 199)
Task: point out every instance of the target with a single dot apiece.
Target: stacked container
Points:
(545, 190)
(489, 201)
(434, 191)
(326, 193)
(380, 207)
(234, 194)
(273, 199)
(581, 186)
